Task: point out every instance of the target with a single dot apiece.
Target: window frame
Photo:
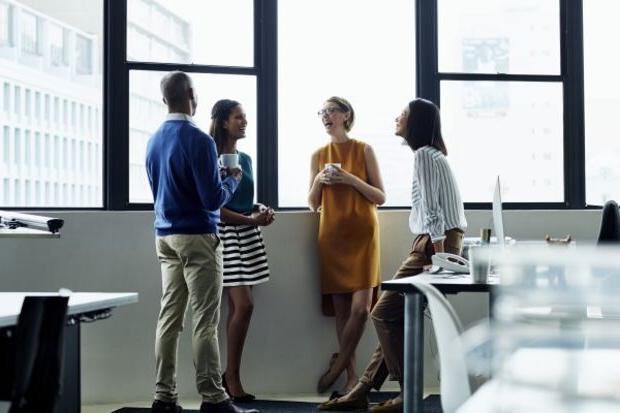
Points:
(116, 87)
(571, 76)
(116, 69)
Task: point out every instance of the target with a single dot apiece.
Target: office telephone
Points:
(451, 262)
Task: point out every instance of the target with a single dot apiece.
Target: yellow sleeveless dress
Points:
(348, 229)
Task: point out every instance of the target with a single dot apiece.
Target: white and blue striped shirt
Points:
(436, 205)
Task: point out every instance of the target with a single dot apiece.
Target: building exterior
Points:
(51, 147)
(50, 111)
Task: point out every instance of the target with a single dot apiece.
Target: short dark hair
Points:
(424, 126)
(346, 107)
(219, 114)
(175, 87)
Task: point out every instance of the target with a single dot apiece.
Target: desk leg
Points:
(70, 399)
(413, 386)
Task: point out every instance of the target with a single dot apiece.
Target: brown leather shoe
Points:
(388, 406)
(359, 404)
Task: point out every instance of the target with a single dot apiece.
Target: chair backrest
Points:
(38, 362)
(454, 384)
(610, 224)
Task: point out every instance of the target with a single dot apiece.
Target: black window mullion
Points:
(192, 68)
(116, 107)
(426, 50)
(571, 12)
(266, 62)
(515, 205)
(498, 77)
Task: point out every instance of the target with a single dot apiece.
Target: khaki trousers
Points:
(191, 268)
(388, 314)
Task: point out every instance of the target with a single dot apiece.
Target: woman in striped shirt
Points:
(437, 212)
(437, 220)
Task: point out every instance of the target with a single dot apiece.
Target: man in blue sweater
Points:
(182, 167)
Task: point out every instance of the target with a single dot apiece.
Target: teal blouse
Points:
(243, 198)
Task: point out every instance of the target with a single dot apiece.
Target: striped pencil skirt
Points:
(245, 259)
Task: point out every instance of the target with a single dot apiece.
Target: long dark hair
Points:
(219, 114)
(424, 126)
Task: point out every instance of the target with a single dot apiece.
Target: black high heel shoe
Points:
(246, 398)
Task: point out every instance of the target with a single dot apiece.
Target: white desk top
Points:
(447, 283)
(552, 380)
(496, 397)
(444, 277)
(11, 303)
(26, 233)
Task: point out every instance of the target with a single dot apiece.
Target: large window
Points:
(45, 29)
(214, 41)
(191, 31)
(602, 101)
(499, 36)
(362, 51)
(5, 24)
(57, 47)
(510, 129)
(146, 112)
(29, 25)
(507, 75)
(501, 96)
(84, 55)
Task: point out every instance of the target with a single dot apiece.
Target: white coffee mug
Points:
(331, 167)
(478, 264)
(229, 160)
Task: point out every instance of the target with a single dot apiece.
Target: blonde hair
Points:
(346, 107)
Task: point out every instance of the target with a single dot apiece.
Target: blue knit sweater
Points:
(182, 167)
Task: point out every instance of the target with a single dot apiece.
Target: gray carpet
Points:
(432, 404)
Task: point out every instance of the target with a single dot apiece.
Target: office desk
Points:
(26, 233)
(413, 385)
(83, 307)
(552, 380)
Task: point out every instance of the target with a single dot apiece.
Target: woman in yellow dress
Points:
(345, 188)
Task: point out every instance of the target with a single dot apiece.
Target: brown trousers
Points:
(388, 314)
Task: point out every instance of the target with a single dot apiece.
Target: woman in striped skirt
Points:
(245, 260)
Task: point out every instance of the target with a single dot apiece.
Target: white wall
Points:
(289, 343)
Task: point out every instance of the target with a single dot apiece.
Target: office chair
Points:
(34, 373)
(455, 387)
(610, 224)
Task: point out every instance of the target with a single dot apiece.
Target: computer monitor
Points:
(498, 220)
